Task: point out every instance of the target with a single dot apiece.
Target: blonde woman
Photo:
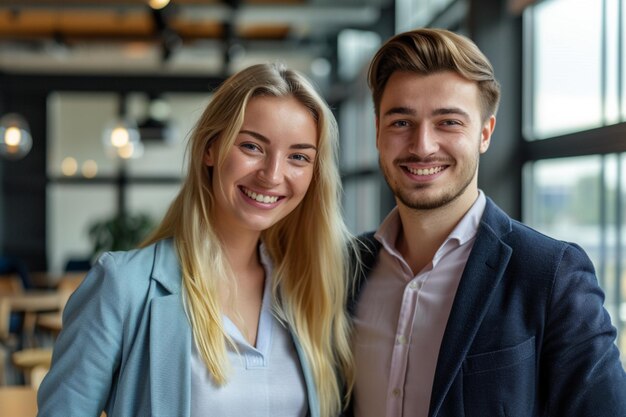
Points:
(235, 305)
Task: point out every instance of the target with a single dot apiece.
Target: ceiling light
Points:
(15, 138)
(158, 4)
(132, 150)
(120, 137)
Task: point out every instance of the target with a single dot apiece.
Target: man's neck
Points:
(424, 231)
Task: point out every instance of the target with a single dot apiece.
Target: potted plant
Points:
(121, 232)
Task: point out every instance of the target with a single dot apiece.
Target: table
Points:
(34, 301)
(18, 401)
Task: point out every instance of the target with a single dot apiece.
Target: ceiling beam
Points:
(23, 83)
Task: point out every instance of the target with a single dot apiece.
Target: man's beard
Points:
(416, 200)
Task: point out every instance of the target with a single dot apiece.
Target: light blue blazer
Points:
(125, 347)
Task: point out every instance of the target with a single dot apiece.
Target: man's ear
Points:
(486, 132)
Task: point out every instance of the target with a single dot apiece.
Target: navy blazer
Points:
(527, 334)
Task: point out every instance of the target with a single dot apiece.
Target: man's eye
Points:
(400, 123)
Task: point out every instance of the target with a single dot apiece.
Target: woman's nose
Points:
(272, 171)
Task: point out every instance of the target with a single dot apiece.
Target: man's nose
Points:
(424, 141)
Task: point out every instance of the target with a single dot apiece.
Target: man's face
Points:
(430, 135)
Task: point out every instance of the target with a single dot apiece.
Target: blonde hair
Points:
(309, 247)
(426, 51)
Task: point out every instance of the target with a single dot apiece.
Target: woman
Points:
(235, 305)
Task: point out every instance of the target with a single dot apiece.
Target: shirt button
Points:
(396, 392)
(401, 339)
(413, 285)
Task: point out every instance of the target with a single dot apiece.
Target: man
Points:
(465, 312)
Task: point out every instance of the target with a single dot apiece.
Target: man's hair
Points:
(428, 51)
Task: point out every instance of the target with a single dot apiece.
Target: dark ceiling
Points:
(207, 37)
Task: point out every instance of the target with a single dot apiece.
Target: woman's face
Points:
(269, 168)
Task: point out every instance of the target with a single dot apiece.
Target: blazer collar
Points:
(166, 270)
(481, 276)
(169, 337)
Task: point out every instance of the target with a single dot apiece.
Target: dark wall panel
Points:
(24, 187)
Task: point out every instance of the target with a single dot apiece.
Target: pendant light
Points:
(15, 138)
(121, 136)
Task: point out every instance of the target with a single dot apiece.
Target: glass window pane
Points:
(75, 131)
(152, 200)
(567, 66)
(72, 209)
(167, 159)
(564, 200)
(77, 121)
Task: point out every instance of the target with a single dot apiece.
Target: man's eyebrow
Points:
(450, 110)
(437, 112)
(400, 110)
(263, 139)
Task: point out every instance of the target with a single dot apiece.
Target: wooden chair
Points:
(27, 359)
(37, 375)
(10, 284)
(51, 322)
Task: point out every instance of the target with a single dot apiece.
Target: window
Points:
(78, 197)
(574, 180)
(567, 66)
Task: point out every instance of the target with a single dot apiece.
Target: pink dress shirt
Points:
(401, 318)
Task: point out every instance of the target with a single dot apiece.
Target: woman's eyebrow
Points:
(264, 139)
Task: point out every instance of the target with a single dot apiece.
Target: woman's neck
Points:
(242, 300)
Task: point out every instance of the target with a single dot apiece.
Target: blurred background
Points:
(97, 98)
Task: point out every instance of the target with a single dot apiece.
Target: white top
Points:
(401, 319)
(265, 381)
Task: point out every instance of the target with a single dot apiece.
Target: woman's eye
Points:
(301, 157)
(250, 146)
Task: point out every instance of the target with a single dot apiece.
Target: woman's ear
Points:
(208, 156)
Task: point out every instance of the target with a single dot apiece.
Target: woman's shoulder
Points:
(129, 272)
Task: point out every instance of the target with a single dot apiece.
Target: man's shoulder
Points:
(528, 242)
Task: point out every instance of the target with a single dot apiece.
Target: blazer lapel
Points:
(170, 339)
(482, 273)
(170, 349)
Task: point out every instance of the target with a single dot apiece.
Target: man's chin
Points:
(426, 202)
